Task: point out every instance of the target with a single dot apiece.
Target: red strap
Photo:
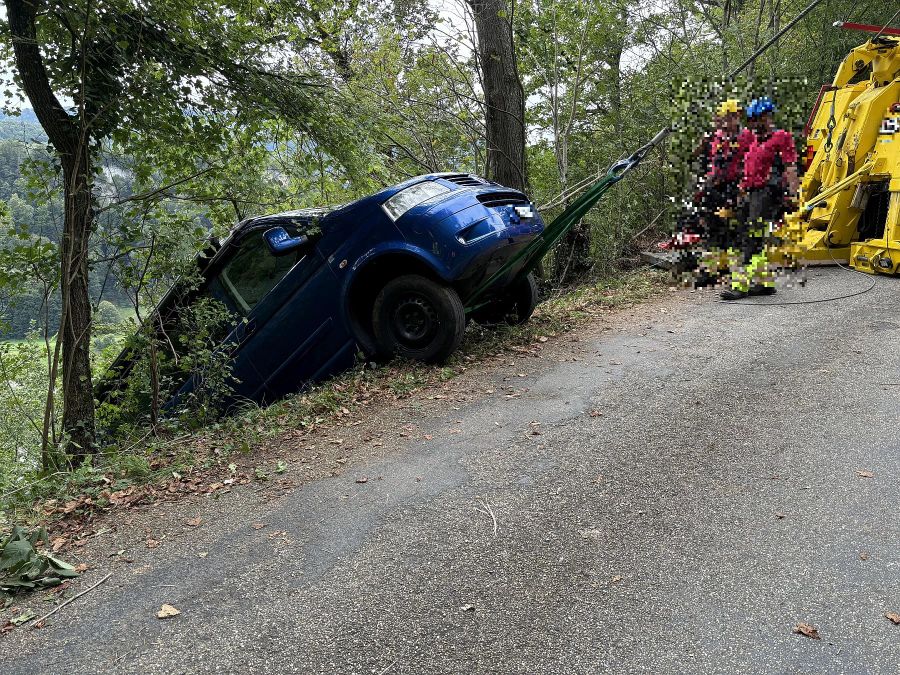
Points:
(869, 28)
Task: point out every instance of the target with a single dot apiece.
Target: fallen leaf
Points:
(893, 617)
(865, 474)
(428, 437)
(258, 526)
(595, 413)
(81, 567)
(194, 522)
(27, 615)
(807, 630)
(363, 479)
(167, 612)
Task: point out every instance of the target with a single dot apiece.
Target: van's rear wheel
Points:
(417, 318)
(515, 306)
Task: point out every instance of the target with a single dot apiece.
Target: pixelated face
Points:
(733, 121)
(761, 122)
(728, 122)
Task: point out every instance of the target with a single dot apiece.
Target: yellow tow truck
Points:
(849, 208)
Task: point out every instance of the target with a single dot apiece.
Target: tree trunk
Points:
(71, 144)
(75, 332)
(503, 94)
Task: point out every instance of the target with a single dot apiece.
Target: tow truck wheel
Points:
(417, 318)
(515, 307)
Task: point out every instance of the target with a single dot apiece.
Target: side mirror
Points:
(281, 243)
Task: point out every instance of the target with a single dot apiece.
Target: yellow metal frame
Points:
(865, 148)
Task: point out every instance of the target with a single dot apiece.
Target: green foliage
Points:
(202, 327)
(23, 567)
(191, 348)
(23, 388)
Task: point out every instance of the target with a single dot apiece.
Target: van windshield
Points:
(253, 271)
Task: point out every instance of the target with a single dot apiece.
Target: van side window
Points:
(254, 271)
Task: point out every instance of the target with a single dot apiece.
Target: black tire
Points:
(417, 318)
(514, 308)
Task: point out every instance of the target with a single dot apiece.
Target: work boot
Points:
(733, 294)
(759, 289)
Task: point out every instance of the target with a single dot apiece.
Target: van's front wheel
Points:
(417, 318)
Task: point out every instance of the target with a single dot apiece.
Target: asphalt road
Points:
(709, 504)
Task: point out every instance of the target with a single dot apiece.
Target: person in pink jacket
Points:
(768, 186)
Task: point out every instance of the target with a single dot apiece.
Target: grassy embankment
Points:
(154, 458)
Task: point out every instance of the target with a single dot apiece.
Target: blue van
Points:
(389, 274)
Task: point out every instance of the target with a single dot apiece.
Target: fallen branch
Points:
(105, 530)
(489, 512)
(387, 668)
(40, 620)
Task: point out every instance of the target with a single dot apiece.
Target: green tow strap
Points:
(537, 248)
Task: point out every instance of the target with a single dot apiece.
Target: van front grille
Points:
(464, 179)
(494, 199)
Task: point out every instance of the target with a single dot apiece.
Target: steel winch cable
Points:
(872, 279)
(889, 22)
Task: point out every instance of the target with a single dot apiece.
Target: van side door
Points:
(292, 334)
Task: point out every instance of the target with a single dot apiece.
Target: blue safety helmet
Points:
(759, 106)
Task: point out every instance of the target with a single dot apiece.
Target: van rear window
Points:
(412, 196)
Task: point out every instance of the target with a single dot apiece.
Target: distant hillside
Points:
(23, 127)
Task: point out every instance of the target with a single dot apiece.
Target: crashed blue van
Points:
(389, 274)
